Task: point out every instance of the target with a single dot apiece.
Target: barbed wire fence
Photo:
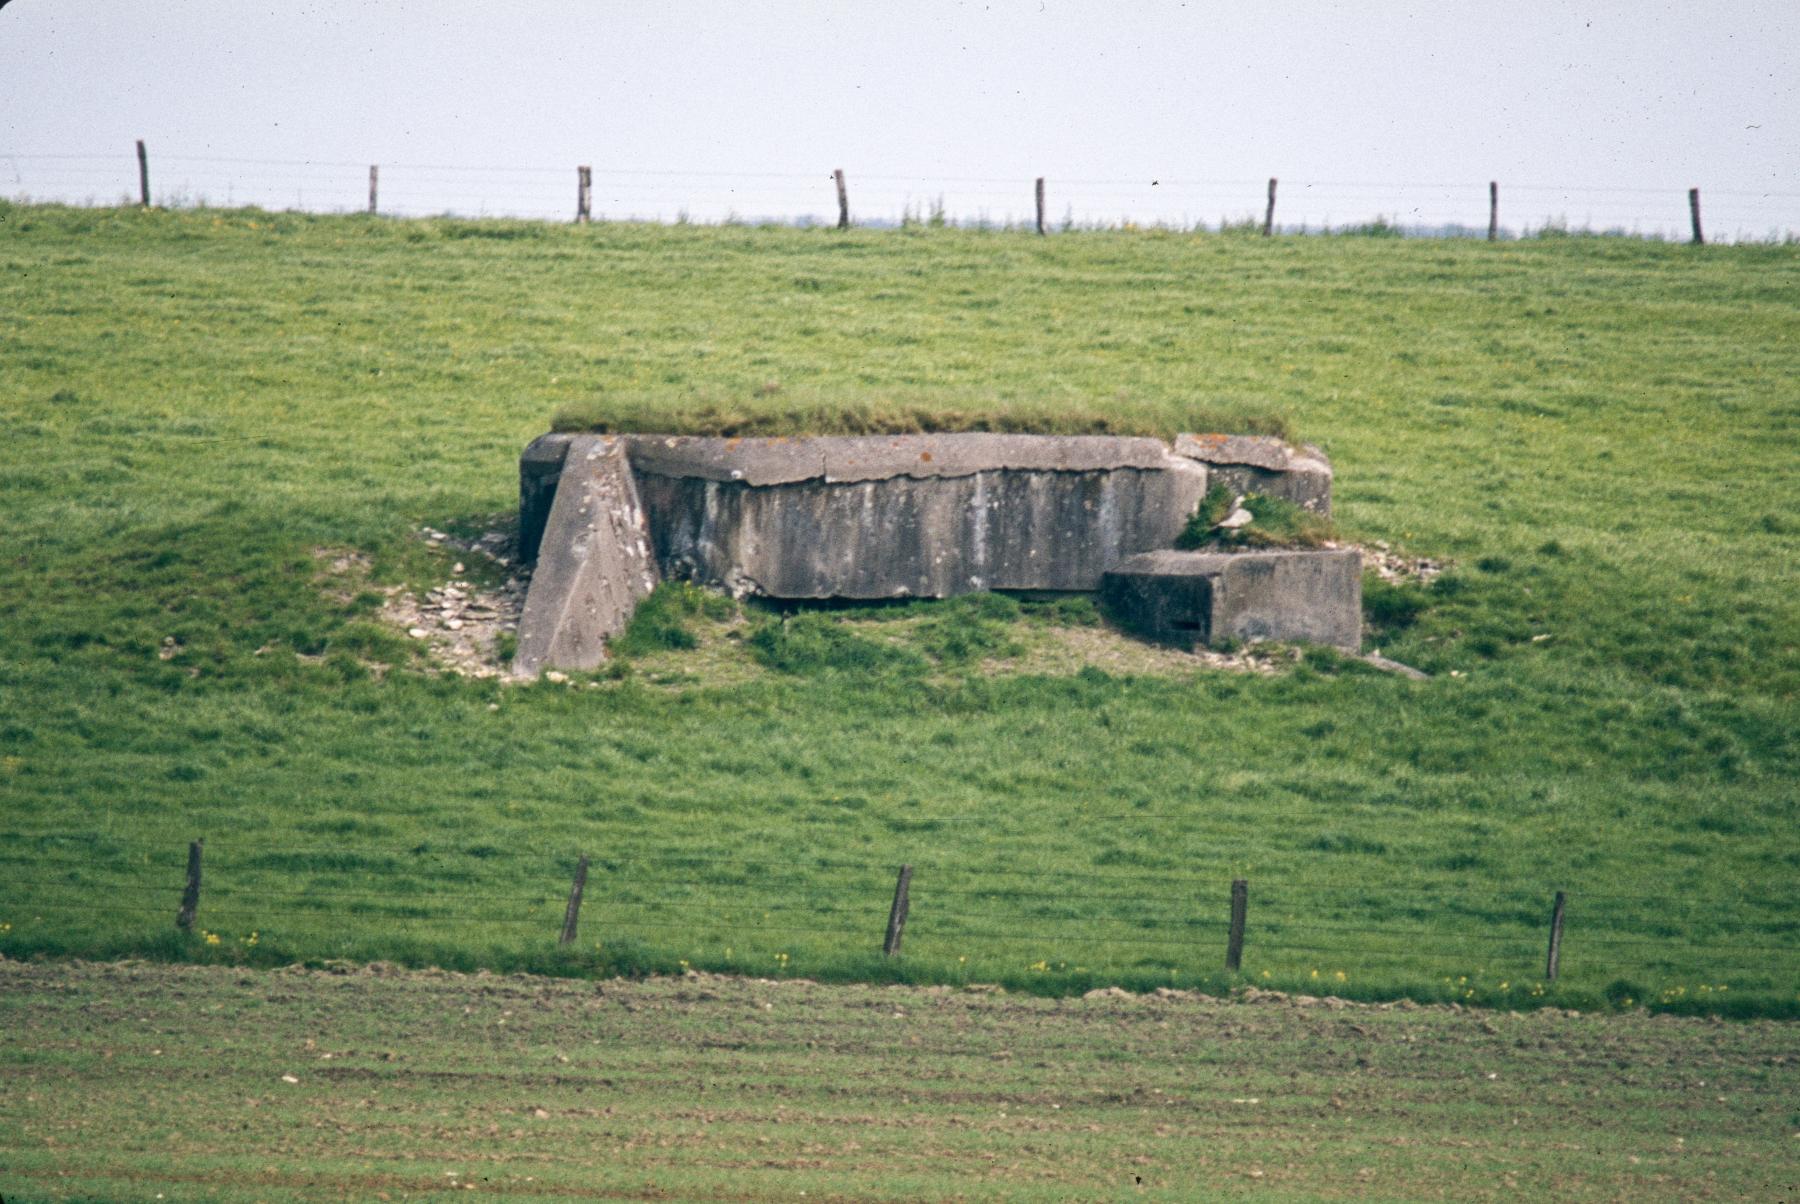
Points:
(1492, 209)
(312, 896)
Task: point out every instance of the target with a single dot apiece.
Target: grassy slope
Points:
(123, 1084)
(1601, 433)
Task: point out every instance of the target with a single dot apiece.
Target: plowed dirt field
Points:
(138, 1081)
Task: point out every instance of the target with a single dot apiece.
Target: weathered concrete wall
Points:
(594, 565)
(912, 516)
(540, 469)
(1190, 598)
(853, 517)
(906, 537)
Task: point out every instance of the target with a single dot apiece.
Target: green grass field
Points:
(193, 1083)
(1599, 434)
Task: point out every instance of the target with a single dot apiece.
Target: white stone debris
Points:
(1394, 568)
(1239, 517)
(461, 621)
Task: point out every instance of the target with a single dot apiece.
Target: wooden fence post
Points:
(572, 914)
(843, 200)
(374, 183)
(1269, 216)
(1040, 204)
(1553, 962)
(143, 175)
(1693, 215)
(1493, 210)
(897, 915)
(584, 194)
(1240, 907)
(190, 898)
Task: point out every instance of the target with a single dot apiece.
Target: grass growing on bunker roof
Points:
(838, 410)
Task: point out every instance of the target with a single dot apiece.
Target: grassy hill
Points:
(203, 408)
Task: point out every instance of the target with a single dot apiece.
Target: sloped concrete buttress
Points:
(594, 564)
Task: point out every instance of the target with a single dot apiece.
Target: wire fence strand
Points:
(1442, 208)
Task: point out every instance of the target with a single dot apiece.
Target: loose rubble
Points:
(460, 621)
(1392, 567)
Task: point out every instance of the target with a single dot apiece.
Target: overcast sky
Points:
(1599, 114)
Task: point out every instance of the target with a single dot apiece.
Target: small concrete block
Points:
(1193, 598)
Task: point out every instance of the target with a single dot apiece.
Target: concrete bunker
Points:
(892, 516)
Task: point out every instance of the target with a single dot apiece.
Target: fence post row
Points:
(1553, 960)
(897, 914)
(190, 898)
(1240, 907)
(572, 913)
(584, 188)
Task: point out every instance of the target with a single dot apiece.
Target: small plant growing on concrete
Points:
(1279, 523)
(1213, 509)
(1225, 520)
